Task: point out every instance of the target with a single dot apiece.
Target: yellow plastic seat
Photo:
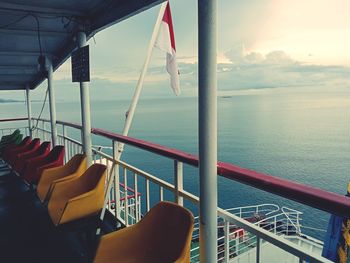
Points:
(162, 236)
(79, 197)
(50, 177)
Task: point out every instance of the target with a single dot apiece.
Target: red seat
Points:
(36, 166)
(13, 155)
(20, 163)
(13, 148)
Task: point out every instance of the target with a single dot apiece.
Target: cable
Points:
(38, 30)
(41, 111)
(20, 19)
(14, 22)
(36, 17)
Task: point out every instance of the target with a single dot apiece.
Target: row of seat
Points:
(30, 158)
(73, 191)
(11, 139)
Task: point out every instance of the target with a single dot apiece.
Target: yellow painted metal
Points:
(163, 235)
(50, 177)
(78, 198)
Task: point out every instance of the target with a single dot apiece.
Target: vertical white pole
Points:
(136, 96)
(227, 240)
(207, 96)
(85, 108)
(52, 101)
(116, 181)
(178, 181)
(29, 111)
(258, 244)
(64, 134)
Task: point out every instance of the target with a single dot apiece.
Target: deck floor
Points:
(26, 231)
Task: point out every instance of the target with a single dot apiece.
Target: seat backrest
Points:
(17, 131)
(22, 146)
(21, 162)
(92, 177)
(89, 186)
(44, 147)
(74, 163)
(33, 144)
(57, 153)
(9, 136)
(170, 227)
(25, 141)
(18, 138)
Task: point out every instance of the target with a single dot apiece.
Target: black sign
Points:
(81, 65)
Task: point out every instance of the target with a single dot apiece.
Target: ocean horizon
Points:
(300, 137)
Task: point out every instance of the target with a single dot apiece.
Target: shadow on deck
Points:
(27, 233)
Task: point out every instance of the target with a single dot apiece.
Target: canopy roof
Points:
(25, 25)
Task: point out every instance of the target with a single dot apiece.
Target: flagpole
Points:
(130, 113)
(118, 150)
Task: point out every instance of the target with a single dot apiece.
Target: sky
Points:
(263, 46)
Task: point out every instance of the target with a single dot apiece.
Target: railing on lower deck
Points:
(141, 182)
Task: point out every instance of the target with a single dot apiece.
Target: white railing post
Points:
(178, 181)
(237, 244)
(161, 194)
(207, 109)
(258, 244)
(227, 241)
(43, 131)
(137, 211)
(107, 196)
(64, 134)
(126, 212)
(29, 111)
(52, 101)
(116, 180)
(85, 109)
(148, 205)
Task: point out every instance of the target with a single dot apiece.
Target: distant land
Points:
(9, 101)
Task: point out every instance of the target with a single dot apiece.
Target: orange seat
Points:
(162, 236)
(50, 177)
(79, 197)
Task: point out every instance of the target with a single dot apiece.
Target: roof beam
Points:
(37, 9)
(11, 87)
(18, 72)
(20, 53)
(33, 33)
(18, 67)
(106, 16)
(12, 83)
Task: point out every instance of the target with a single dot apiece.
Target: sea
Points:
(300, 136)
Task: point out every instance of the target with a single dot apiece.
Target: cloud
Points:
(278, 57)
(246, 72)
(237, 55)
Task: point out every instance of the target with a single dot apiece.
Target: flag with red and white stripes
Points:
(166, 43)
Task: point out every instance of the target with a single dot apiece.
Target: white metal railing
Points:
(285, 221)
(125, 180)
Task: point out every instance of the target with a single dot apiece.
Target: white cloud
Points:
(237, 55)
(278, 57)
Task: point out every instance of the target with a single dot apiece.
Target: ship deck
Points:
(27, 233)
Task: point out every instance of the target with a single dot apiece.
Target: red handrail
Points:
(311, 196)
(13, 119)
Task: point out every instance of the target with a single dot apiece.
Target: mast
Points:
(207, 103)
(135, 99)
